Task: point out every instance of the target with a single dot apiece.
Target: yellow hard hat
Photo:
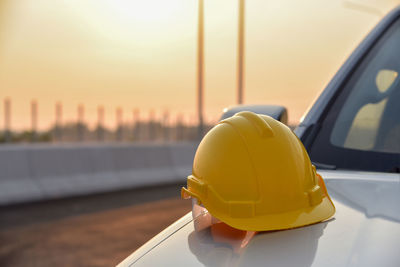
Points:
(253, 173)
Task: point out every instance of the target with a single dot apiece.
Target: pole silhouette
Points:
(240, 63)
(80, 124)
(58, 134)
(100, 123)
(119, 130)
(200, 68)
(34, 120)
(7, 120)
(137, 129)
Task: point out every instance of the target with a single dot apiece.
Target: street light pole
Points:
(240, 62)
(200, 67)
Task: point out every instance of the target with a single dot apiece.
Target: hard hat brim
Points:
(271, 221)
(280, 221)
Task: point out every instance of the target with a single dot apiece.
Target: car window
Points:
(370, 116)
(362, 128)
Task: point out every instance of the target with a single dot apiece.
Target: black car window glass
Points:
(370, 116)
(361, 128)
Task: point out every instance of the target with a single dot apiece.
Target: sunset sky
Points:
(142, 54)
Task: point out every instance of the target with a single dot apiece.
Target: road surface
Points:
(98, 230)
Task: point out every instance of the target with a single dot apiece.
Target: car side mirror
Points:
(277, 112)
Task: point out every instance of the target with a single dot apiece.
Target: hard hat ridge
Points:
(261, 125)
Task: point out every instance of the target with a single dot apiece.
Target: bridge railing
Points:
(41, 172)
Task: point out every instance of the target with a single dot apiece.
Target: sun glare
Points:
(122, 19)
(145, 11)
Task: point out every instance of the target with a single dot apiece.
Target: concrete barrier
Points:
(39, 172)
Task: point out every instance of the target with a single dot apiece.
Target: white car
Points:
(352, 133)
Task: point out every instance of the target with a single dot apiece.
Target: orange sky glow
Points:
(142, 54)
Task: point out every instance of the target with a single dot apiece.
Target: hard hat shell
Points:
(253, 173)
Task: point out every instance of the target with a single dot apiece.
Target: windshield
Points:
(370, 116)
(362, 128)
